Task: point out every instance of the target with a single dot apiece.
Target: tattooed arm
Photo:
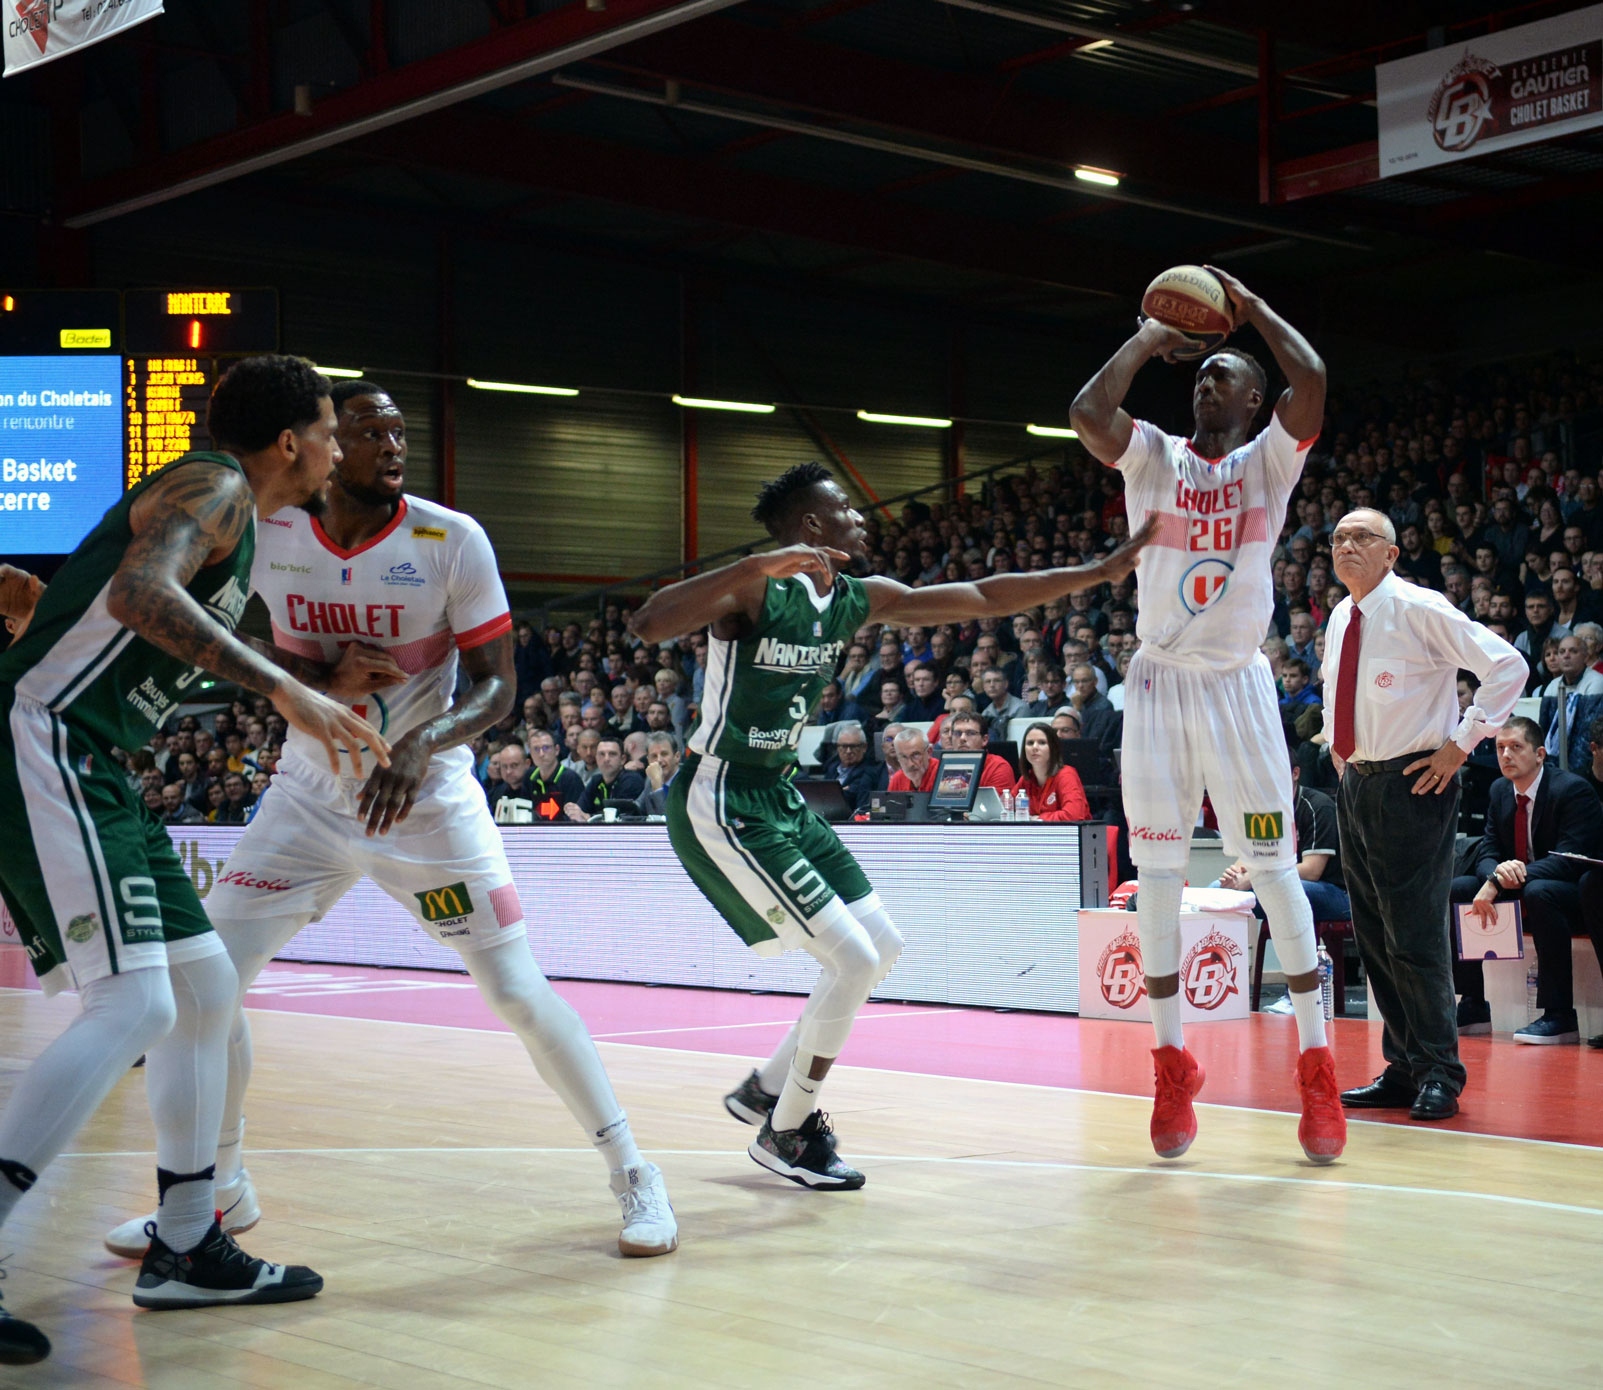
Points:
(361, 669)
(390, 791)
(190, 517)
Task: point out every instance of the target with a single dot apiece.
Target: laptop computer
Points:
(825, 797)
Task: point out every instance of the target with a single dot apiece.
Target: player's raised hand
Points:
(1164, 341)
(330, 723)
(1118, 563)
(801, 559)
(363, 669)
(1242, 300)
(19, 595)
(391, 791)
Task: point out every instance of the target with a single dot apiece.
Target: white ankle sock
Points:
(799, 1097)
(1166, 1021)
(771, 1075)
(1310, 1011)
(187, 1208)
(616, 1143)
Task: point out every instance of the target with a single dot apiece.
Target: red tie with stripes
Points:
(1522, 828)
(1347, 688)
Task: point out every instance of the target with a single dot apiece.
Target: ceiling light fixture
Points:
(702, 403)
(1104, 178)
(928, 422)
(1052, 432)
(519, 388)
(354, 373)
(1096, 45)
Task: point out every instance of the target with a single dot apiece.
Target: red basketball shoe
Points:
(1174, 1123)
(1322, 1131)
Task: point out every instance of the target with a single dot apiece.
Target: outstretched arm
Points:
(20, 593)
(193, 515)
(1001, 594)
(731, 594)
(1098, 414)
(391, 791)
(1302, 404)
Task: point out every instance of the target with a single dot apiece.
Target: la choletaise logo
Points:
(403, 573)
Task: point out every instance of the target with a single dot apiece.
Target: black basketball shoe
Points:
(21, 1343)
(216, 1271)
(749, 1103)
(805, 1155)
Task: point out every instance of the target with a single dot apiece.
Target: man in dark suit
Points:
(849, 765)
(1537, 813)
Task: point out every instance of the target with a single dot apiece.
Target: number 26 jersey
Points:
(1207, 590)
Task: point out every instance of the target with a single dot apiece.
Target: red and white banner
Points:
(40, 30)
(1215, 974)
(1536, 82)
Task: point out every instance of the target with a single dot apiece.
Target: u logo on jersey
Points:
(1204, 584)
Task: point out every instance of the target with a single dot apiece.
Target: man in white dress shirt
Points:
(1392, 656)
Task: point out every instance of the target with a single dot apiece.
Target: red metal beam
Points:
(506, 55)
(1328, 172)
(471, 141)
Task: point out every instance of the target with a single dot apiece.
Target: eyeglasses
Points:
(1357, 538)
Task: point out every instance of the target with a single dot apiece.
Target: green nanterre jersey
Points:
(760, 691)
(95, 673)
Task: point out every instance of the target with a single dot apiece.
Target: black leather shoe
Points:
(1596, 1041)
(1385, 1092)
(1435, 1102)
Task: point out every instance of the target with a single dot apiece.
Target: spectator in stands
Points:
(848, 764)
(1003, 705)
(1296, 684)
(915, 765)
(1577, 690)
(610, 784)
(1052, 692)
(1098, 718)
(582, 761)
(1066, 724)
(511, 798)
(965, 733)
(620, 714)
(662, 766)
(192, 781)
(667, 687)
(1539, 626)
(1300, 638)
(1537, 815)
(926, 701)
(943, 652)
(175, 809)
(1571, 606)
(236, 800)
(634, 751)
(955, 704)
(1318, 854)
(549, 783)
(892, 705)
(1507, 535)
(1055, 790)
(1417, 561)
(856, 674)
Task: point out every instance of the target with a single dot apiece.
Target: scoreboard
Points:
(101, 388)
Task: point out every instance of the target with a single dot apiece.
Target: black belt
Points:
(1390, 764)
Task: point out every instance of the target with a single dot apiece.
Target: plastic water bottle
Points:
(1327, 983)
(1021, 806)
(1007, 803)
(1531, 1011)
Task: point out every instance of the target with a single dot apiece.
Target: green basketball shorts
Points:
(89, 875)
(761, 857)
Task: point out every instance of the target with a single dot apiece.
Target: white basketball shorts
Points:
(1186, 730)
(308, 846)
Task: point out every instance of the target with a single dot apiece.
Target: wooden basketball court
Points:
(1009, 1234)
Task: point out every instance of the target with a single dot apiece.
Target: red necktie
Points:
(1347, 688)
(1522, 831)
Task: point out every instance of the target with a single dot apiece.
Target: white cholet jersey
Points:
(426, 587)
(1207, 591)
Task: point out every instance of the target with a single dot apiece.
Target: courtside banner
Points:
(1536, 82)
(38, 31)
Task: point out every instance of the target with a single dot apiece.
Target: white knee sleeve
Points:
(870, 911)
(1157, 908)
(551, 1031)
(187, 1071)
(123, 1015)
(1291, 920)
(851, 969)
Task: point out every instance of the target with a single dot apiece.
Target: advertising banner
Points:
(1215, 983)
(40, 30)
(1535, 82)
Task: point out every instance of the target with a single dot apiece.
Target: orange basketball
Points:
(1191, 299)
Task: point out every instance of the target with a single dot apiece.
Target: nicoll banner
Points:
(1514, 87)
(38, 31)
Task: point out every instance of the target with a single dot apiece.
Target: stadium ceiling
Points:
(923, 147)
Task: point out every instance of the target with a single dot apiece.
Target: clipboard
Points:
(1505, 940)
(1579, 858)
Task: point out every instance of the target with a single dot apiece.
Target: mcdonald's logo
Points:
(1265, 825)
(443, 904)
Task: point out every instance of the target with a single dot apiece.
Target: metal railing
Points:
(594, 600)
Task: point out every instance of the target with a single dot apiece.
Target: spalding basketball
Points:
(1191, 299)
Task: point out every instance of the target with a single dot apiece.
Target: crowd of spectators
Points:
(210, 770)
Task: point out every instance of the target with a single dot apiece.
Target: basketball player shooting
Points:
(775, 871)
(1201, 711)
(381, 602)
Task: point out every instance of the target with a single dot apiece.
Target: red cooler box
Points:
(1215, 967)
